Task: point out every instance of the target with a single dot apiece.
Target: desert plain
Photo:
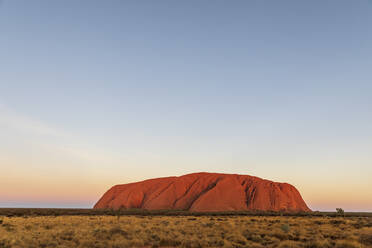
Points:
(216, 230)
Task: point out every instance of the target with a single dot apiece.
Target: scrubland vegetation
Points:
(184, 231)
(14, 212)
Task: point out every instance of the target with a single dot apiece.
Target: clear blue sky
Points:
(96, 93)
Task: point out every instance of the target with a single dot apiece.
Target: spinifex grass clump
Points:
(285, 228)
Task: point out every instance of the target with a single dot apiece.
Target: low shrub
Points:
(168, 242)
(118, 231)
(285, 228)
(366, 239)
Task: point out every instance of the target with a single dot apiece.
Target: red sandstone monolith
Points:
(205, 192)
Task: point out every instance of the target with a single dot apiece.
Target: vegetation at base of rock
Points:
(32, 212)
(185, 231)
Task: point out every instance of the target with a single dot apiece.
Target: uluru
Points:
(201, 192)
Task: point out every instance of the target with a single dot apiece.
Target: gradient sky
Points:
(97, 93)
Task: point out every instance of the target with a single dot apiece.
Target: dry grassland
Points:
(184, 231)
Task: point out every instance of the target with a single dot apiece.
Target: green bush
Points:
(285, 228)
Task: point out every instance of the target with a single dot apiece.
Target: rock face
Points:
(205, 192)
